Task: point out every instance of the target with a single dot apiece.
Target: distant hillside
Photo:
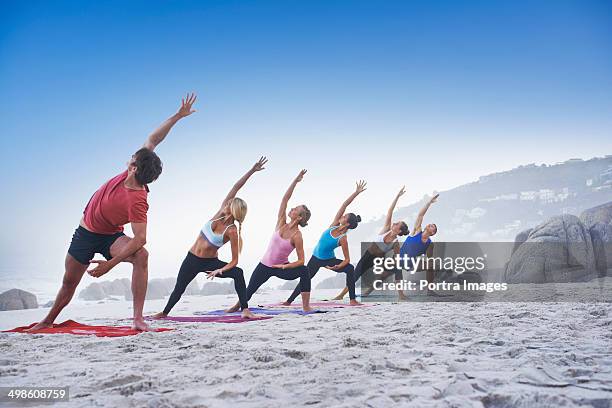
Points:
(499, 205)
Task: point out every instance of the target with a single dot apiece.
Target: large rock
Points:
(156, 289)
(599, 222)
(94, 291)
(600, 214)
(601, 236)
(217, 288)
(289, 285)
(558, 250)
(117, 287)
(193, 288)
(17, 299)
(338, 281)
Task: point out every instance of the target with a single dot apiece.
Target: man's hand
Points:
(300, 176)
(186, 103)
(259, 166)
(102, 268)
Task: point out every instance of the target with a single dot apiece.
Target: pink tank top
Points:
(278, 250)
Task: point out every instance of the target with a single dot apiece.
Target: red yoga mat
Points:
(72, 327)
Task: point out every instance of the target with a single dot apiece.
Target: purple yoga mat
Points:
(261, 311)
(212, 319)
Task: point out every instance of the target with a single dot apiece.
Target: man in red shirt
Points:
(121, 200)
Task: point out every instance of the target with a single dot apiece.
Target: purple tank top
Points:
(278, 250)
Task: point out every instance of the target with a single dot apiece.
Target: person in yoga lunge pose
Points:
(417, 244)
(382, 243)
(286, 238)
(333, 237)
(202, 257)
(121, 200)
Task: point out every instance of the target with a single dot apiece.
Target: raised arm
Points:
(360, 188)
(242, 181)
(389, 218)
(419, 219)
(161, 132)
(282, 211)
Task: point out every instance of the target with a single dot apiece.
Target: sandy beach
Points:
(417, 354)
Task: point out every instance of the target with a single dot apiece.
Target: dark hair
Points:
(403, 229)
(305, 214)
(148, 166)
(436, 227)
(353, 220)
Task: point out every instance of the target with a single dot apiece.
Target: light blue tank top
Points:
(326, 245)
(209, 234)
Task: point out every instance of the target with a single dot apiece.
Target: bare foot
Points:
(338, 298)
(140, 325)
(286, 303)
(354, 302)
(402, 297)
(159, 315)
(308, 309)
(39, 326)
(233, 308)
(247, 314)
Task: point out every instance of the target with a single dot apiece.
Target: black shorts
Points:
(85, 244)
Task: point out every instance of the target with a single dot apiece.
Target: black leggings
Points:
(192, 265)
(367, 261)
(262, 273)
(315, 264)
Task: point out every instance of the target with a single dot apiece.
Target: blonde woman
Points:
(202, 257)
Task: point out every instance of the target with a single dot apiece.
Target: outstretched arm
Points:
(419, 219)
(388, 220)
(282, 211)
(361, 187)
(161, 132)
(242, 181)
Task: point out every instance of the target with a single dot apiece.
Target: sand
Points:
(410, 354)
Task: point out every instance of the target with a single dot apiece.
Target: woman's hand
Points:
(300, 176)
(333, 268)
(360, 186)
(279, 266)
(434, 199)
(401, 192)
(259, 166)
(212, 274)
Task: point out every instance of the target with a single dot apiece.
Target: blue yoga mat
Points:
(262, 311)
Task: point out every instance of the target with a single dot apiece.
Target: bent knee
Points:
(141, 256)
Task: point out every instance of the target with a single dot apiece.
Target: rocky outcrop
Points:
(94, 291)
(117, 287)
(156, 289)
(17, 299)
(558, 250)
(338, 281)
(217, 288)
(599, 222)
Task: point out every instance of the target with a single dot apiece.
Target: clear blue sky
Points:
(427, 94)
